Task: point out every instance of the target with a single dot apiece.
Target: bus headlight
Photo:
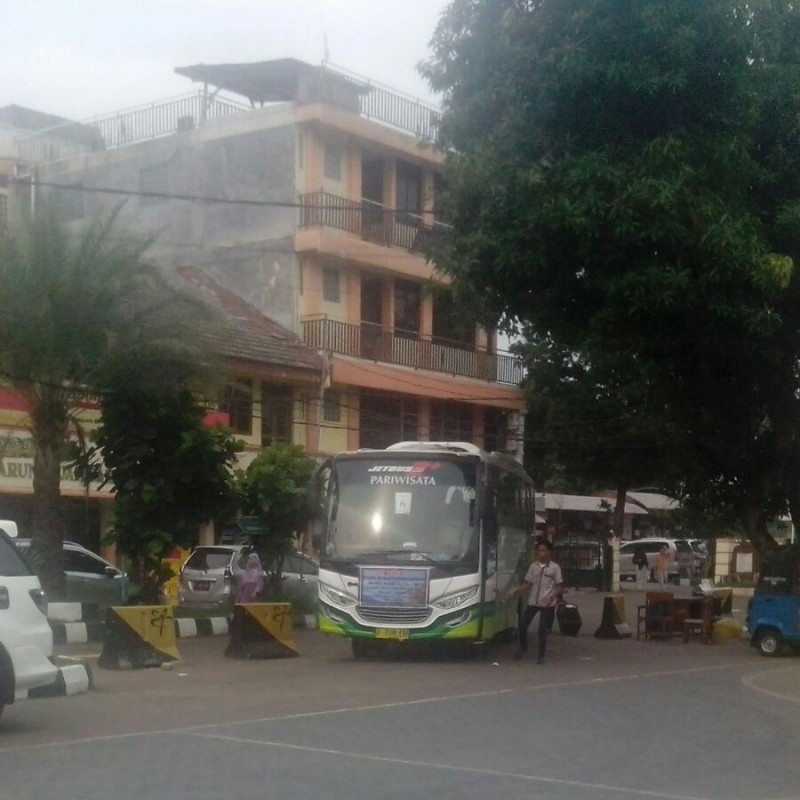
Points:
(457, 598)
(335, 596)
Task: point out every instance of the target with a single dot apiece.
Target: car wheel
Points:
(769, 643)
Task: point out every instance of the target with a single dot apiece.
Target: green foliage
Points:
(170, 474)
(77, 306)
(623, 178)
(274, 489)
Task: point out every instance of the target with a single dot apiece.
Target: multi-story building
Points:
(310, 201)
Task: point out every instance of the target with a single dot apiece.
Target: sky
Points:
(87, 58)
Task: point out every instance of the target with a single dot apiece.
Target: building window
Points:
(451, 422)
(387, 418)
(408, 196)
(407, 305)
(277, 403)
(333, 162)
(331, 289)
(495, 430)
(237, 401)
(332, 407)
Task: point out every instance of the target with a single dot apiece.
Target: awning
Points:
(579, 502)
(279, 80)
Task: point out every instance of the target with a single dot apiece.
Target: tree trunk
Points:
(756, 527)
(619, 511)
(49, 433)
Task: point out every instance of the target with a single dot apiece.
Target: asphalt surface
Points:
(599, 720)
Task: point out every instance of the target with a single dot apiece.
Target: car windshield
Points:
(209, 558)
(403, 509)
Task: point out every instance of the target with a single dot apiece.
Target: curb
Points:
(78, 632)
(74, 632)
(72, 612)
(73, 678)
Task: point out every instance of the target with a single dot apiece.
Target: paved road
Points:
(600, 720)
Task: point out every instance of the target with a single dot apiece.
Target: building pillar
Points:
(353, 277)
(426, 315)
(428, 197)
(387, 313)
(424, 424)
(478, 426)
(313, 420)
(353, 420)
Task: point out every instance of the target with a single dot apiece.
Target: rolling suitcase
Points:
(569, 619)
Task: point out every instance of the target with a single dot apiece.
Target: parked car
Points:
(681, 557)
(211, 576)
(26, 640)
(88, 578)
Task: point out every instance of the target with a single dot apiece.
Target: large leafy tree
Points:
(170, 473)
(76, 308)
(625, 178)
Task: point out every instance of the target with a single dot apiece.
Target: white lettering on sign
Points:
(401, 480)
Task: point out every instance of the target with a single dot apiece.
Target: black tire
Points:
(769, 643)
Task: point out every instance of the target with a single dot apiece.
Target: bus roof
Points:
(449, 448)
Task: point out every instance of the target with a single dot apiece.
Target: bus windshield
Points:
(403, 509)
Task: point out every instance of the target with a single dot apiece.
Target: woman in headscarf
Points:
(252, 580)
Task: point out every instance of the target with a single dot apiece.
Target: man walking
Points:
(544, 585)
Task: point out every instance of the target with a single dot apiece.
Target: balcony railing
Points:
(336, 87)
(408, 349)
(369, 220)
(380, 103)
(125, 127)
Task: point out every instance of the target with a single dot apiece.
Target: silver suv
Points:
(26, 640)
(211, 576)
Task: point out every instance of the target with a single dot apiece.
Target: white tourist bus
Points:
(419, 541)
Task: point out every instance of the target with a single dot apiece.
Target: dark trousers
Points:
(546, 616)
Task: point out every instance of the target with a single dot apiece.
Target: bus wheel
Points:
(769, 642)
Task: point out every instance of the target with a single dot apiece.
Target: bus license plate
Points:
(392, 633)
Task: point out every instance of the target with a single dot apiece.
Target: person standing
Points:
(642, 567)
(544, 586)
(662, 568)
(252, 580)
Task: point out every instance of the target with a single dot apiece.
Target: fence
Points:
(410, 349)
(125, 127)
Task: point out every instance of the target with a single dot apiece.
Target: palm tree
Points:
(76, 311)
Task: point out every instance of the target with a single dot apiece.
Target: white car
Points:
(681, 557)
(26, 640)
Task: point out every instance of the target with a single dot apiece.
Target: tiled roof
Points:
(245, 334)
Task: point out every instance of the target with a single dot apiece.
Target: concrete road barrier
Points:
(139, 636)
(613, 624)
(262, 630)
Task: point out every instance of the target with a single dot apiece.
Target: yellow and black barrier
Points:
(262, 630)
(613, 624)
(139, 636)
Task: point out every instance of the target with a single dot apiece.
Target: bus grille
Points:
(395, 616)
